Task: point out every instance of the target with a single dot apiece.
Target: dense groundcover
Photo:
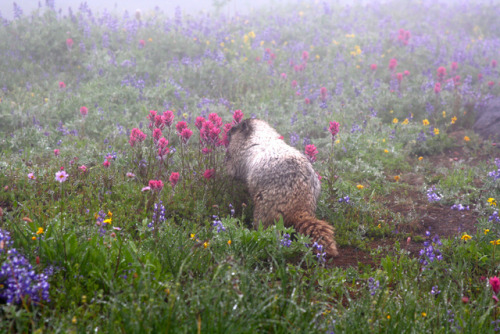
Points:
(116, 213)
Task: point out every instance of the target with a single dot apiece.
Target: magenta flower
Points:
(323, 93)
(84, 111)
(216, 119)
(495, 284)
(199, 122)
(311, 152)
(493, 63)
(305, 56)
(334, 129)
(404, 36)
(392, 64)
(441, 73)
(209, 173)
(209, 133)
(491, 84)
(61, 176)
(152, 115)
(56, 152)
(142, 43)
(294, 83)
(174, 178)
(225, 138)
(83, 168)
(437, 88)
(307, 100)
(185, 134)
(168, 117)
(106, 163)
(157, 134)
(181, 125)
(62, 85)
(130, 175)
(163, 147)
(155, 185)
(136, 136)
(454, 66)
(283, 75)
(31, 176)
(69, 43)
(237, 116)
(399, 76)
(373, 67)
(146, 189)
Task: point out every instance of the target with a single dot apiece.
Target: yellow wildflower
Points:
(492, 201)
(420, 158)
(397, 178)
(229, 242)
(192, 235)
(395, 121)
(466, 237)
(360, 186)
(466, 138)
(406, 121)
(444, 114)
(205, 244)
(453, 119)
(486, 231)
(392, 111)
(386, 151)
(40, 230)
(424, 314)
(33, 238)
(379, 226)
(425, 122)
(388, 317)
(436, 131)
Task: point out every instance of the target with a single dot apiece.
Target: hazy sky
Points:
(168, 6)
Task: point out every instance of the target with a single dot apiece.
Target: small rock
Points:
(487, 123)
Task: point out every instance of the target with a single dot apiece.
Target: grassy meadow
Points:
(117, 216)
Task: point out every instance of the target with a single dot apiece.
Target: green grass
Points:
(140, 274)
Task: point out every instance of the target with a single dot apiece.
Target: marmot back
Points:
(280, 180)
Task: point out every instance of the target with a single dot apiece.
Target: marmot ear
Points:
(246, 128)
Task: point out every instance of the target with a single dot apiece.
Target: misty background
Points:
(229, 7)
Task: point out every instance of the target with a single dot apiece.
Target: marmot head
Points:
(238, 139)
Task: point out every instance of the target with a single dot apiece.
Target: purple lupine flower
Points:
(158, 215)
(286, 242)
(373, 285)
(218, 224)
(20, 282)
(432, 196)
(435, 290)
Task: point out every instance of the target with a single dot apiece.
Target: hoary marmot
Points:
(280, 180)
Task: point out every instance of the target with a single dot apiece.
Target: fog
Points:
(168, 6)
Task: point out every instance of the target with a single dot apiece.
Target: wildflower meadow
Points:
(116, 212)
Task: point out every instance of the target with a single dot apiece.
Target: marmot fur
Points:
(280, 180)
